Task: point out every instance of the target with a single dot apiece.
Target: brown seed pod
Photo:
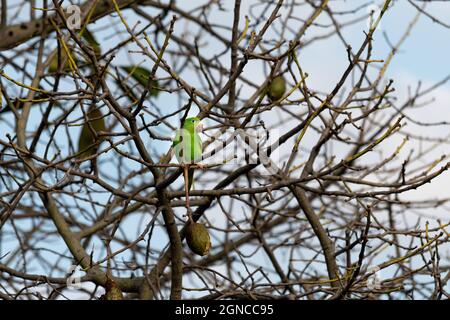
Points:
(277, 88)
(197, 238)
(112, 291)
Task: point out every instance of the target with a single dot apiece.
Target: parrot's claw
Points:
(189, 214)
(201, 166)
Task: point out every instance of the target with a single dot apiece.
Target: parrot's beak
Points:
(199, 127)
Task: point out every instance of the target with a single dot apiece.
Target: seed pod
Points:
(142, 76)
(197, 238)
(113, 292)
(88, 142)
(277, 88)
(92, 41)
(53, 67)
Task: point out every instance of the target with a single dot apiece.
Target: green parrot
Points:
(188, 150)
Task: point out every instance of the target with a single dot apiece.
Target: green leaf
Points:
(142, 76)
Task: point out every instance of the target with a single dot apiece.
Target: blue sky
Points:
(424, 56)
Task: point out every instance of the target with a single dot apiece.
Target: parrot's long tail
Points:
(190, 178)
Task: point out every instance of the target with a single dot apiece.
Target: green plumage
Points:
(188, 145)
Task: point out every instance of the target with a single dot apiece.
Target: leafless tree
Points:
(332, 219)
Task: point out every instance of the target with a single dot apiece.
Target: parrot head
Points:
(193, 124)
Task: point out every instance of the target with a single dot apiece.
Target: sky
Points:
(423, 57)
